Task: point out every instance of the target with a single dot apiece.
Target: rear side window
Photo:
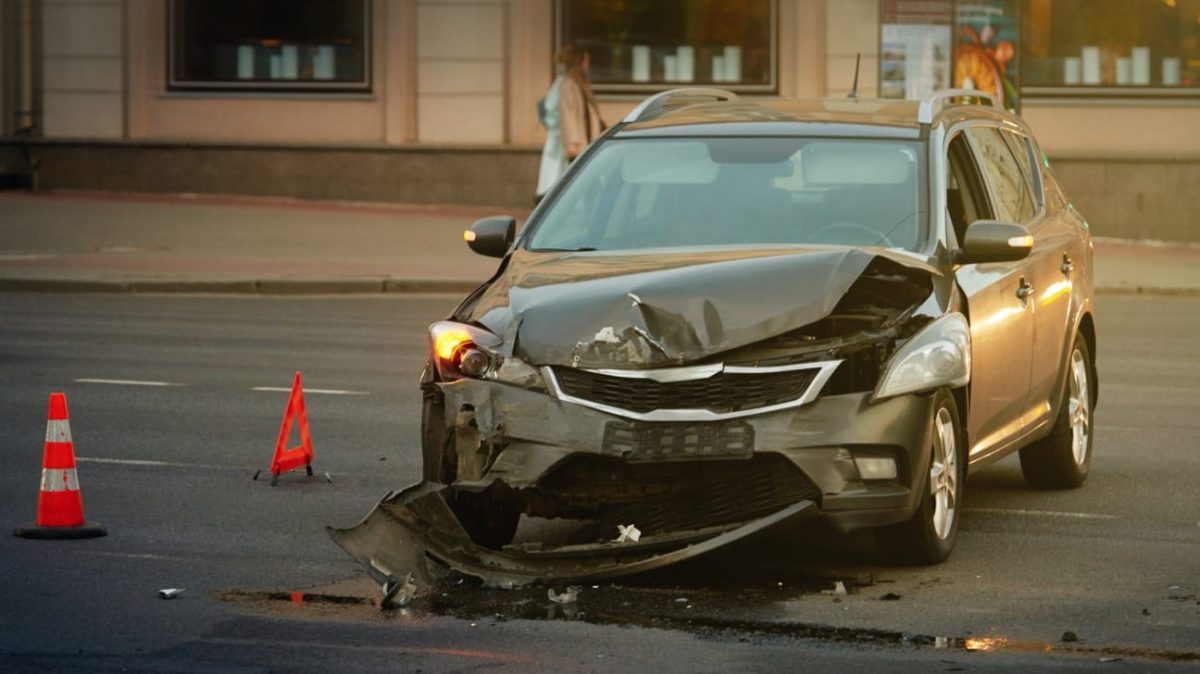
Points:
(1014, 197)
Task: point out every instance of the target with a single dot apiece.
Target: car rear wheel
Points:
(1062, 459)
(928, 537)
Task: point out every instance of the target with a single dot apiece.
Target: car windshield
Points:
(656, 193)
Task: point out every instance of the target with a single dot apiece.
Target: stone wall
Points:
(1135, 198)
(410, 174)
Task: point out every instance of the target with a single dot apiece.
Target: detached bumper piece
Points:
(412, 526)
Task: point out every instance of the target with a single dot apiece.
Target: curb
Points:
(350, 286)
(242, 287)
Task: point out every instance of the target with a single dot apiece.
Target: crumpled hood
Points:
(654, 309)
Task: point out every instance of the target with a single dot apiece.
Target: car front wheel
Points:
(928, 537)
(1062, 459)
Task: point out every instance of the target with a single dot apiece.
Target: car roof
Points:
(888, 118)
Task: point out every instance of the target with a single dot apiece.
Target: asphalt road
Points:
(167, 469)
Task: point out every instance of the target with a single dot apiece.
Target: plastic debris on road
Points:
(398, 593)
(568, 595)
(839, 589)
(170, 592)
(628, 534)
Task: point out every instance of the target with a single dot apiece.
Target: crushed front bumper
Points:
(518, 437)
(409, 527)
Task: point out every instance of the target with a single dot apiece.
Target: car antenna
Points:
(854, 89)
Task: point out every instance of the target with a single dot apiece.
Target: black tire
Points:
(1060, 460)
(489, 522)
(919, 541)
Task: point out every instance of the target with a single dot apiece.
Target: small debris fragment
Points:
(864, 580)
(1070, 636)
(1145, 611)
(328, 478)
(170, 592)
(628, 534)
(1110, 659)
(681, 600)
(398, 593)
(839, 589)
(890, 596)
(568, 595)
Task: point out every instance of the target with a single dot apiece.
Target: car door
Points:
(1001, 315)
(1051, 270)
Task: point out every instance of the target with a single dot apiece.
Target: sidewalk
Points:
(175, 243)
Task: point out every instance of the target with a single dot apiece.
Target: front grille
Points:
(721, 393)
(676, 441)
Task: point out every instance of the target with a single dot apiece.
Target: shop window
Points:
(642, 45)
(269, 45)
(1111, 47)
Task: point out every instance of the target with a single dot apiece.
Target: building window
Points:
(643, 45)
(269, 45)
(1111, 47)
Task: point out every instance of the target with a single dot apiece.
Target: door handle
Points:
(1024, 290)
(1067, 265)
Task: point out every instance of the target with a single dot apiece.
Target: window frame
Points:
(615, 89)
(285, 87)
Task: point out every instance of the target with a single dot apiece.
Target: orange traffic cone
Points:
(60, 505)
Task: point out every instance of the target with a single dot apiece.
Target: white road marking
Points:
(132, 555)
(125, 382)
(320, 391)
(1043, 513)
(146, 462)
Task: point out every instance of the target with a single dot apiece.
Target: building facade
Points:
(435, 100)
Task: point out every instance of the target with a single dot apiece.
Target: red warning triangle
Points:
(287, 459)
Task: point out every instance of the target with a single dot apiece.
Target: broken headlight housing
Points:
(462, 350)
(938, 355)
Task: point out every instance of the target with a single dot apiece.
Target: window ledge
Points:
(327, 95)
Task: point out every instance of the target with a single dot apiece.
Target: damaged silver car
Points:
(734, 314)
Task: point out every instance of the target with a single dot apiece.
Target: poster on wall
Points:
(985, 48)
(914, 47)
(925, 45)
(914, 60)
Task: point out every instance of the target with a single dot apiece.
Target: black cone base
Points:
(87, 530)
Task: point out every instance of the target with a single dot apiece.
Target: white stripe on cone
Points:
(58, 430)
(59, 479)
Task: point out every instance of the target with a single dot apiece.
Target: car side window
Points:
(965, 200)
(1014, 197)
(1019, 146)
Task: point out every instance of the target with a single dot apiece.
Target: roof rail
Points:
(937, 100)
(657, 102)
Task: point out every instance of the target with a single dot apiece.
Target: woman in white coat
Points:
(570, 116)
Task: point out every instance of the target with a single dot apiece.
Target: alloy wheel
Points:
(1079, 407)
(943, 473)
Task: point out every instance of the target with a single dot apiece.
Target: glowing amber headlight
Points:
(460, 349)
(447, 342)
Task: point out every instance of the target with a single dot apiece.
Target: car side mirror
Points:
(491, 236)
(994, 241)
